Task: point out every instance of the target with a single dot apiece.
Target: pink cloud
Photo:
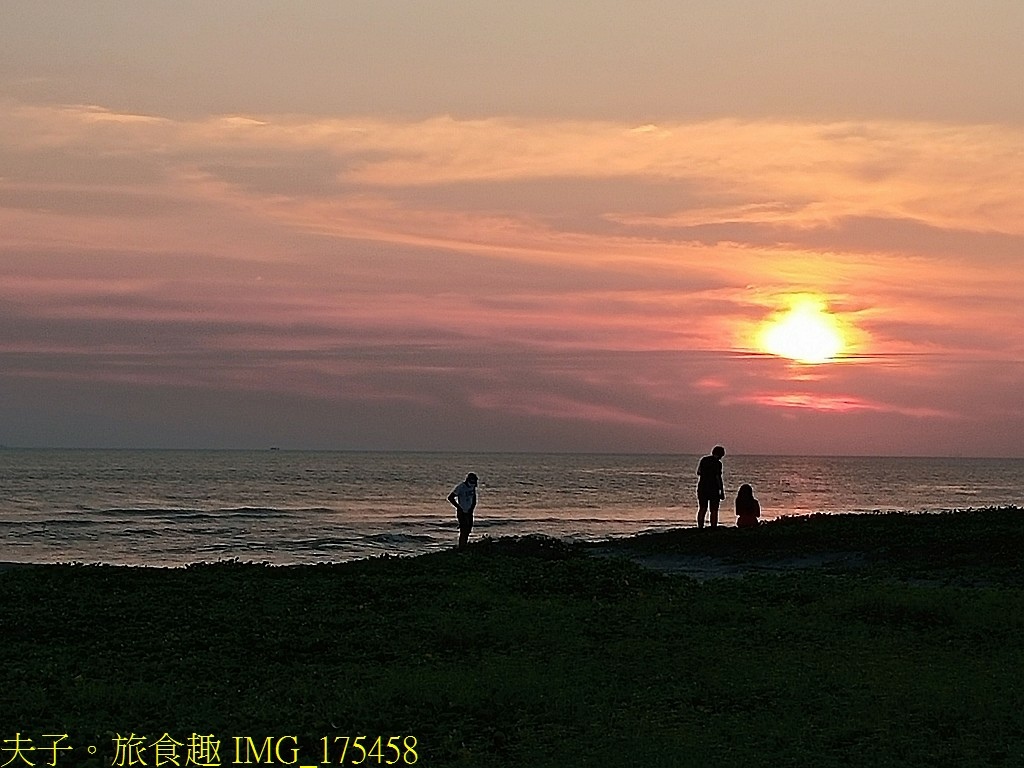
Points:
(548, 406)
(838, 404)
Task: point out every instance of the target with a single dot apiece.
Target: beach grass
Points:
(532, 652)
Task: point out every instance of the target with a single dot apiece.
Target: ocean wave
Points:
(360, 540)
(186, 513)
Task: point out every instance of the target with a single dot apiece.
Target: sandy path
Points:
(703, 567)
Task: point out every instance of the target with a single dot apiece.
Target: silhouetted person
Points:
(463, 498)
(748, 509)
(710, 487)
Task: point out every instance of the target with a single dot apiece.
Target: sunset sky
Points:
(481, 225)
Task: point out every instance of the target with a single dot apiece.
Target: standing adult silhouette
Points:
(710, 486)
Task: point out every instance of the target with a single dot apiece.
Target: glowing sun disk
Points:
(806, 333)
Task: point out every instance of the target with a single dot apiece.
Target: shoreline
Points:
(819, 541)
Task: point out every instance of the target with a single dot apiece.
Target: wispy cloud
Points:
(835, 404)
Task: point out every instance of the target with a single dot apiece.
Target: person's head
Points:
(718, 451)
(471, 478)
(745, 492)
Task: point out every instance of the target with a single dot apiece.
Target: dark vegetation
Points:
(532, 652)
(969, 547)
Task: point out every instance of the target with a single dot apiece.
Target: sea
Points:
(179, 507)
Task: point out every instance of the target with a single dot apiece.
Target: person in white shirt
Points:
(463, 498)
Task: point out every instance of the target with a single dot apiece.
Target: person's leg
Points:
(465, 526)
(702, 510)
(715, 503)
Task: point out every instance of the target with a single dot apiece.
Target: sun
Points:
(806, 332)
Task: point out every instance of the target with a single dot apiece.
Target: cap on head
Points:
(718, 451)
(471, 478)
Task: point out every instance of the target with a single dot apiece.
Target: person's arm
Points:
(721, 487)
(452, 500)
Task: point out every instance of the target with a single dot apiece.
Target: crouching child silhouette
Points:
(748, 509)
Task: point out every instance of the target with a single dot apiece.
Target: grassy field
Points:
(906, 651)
